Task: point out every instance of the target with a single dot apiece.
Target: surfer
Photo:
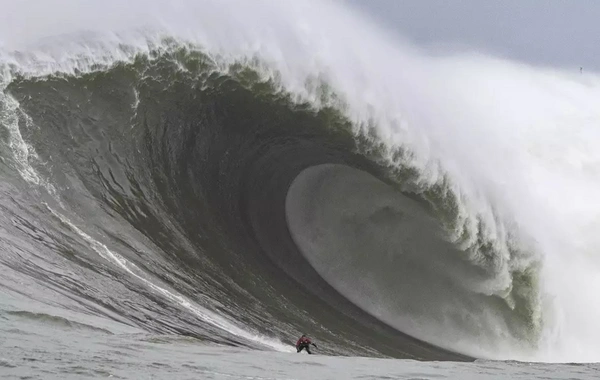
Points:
(304, 342)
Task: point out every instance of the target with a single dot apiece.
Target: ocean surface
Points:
(188, 187)
(53, 349)
(35, 347)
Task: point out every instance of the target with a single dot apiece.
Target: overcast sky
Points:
(556, 33)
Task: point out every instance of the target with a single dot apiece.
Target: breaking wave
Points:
(244, 185)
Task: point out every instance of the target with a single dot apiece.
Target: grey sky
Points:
(556, 33)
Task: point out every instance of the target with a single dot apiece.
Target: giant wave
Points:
(244, 184)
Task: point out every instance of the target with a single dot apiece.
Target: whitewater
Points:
(189, 186)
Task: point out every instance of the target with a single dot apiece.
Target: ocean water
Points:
(34, 347)
(187, 187)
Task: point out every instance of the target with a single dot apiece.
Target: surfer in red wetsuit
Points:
(304, 342)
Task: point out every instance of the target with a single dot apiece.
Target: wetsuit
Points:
(304, 343)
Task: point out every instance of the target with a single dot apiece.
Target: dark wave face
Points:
(156, 192)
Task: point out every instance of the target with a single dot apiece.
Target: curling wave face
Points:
(257, 183)
(184, 171)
